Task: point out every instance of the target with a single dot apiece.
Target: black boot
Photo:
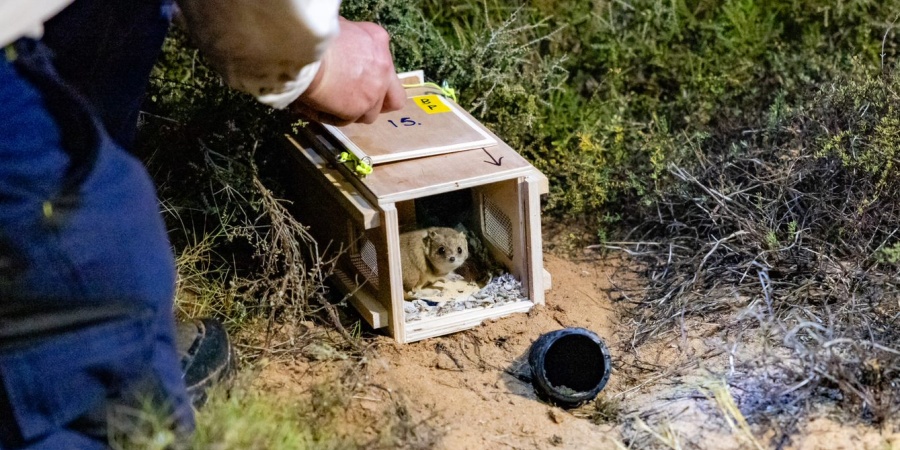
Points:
(206, 356)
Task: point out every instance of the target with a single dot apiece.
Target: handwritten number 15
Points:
(406, 121)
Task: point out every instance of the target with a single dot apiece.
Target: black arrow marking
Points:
(493, 160)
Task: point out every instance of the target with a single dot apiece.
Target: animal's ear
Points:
(462, 234)
(432, 233)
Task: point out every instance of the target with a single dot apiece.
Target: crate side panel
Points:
(336, 225)
(501, 219)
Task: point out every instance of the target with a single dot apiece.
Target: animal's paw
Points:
(452, 276)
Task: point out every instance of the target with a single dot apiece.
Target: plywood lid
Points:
(429, 124)
(406, 180)
(421, 177)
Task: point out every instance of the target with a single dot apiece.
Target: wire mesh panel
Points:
(365, 259)
(497, 226)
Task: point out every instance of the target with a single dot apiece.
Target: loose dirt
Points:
(461, 391)
(465, 382)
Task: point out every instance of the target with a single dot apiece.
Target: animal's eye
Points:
(441, 250)
(459, 250)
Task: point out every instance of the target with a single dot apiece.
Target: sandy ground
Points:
(460, 388)
(465, 381)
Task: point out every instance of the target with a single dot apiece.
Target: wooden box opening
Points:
(489, 277)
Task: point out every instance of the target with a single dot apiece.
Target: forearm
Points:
(268, 48)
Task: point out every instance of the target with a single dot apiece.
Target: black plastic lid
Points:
(570, 366)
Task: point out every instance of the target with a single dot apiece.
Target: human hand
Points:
(356, 80)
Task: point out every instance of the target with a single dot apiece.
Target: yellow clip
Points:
(363, 169)
(48, 209)
(360, 166)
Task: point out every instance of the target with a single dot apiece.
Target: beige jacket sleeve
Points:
(26, 17)
(268, 48)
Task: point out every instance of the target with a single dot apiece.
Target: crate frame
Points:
(375, 208)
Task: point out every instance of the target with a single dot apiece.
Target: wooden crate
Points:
(365, 216)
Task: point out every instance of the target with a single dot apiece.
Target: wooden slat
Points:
(389, 272)
(335, 185)
(416, 178)
(412, 132)
(315, 136)
(533, 243)
(411, 77)
(462, 320)
(422, 177)
(544, 183)
(373, 312)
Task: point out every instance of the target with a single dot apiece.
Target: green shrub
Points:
(648, 80)
(601, 96)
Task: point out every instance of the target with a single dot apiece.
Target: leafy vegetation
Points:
(242, 255)
(753, 142)
(602, 96)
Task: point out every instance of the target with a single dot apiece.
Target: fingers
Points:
(371, 115)
(395, 97)
(315, 115)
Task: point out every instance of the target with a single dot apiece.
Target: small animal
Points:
(429, 255)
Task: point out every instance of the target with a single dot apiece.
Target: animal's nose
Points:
(452, 259)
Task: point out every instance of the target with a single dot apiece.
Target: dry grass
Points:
(788, 235)
(247, 416)
(664, 435)
(272, 310)
(718, 392)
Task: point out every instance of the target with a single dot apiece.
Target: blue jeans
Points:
(86, 270)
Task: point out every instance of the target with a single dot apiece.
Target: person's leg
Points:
(86, 271)
(105, 50)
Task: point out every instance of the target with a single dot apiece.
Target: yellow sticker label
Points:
(432, 104)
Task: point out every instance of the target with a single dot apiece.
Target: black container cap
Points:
(570, 366)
